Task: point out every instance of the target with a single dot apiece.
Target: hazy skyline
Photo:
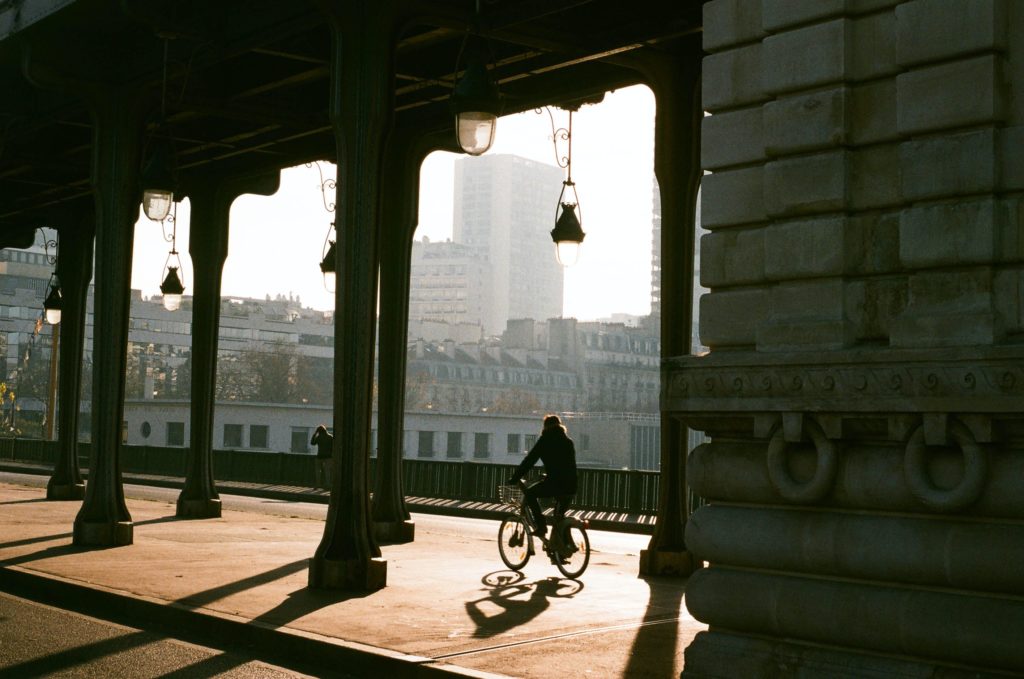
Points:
(275, 242)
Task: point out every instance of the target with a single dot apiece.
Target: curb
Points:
(294, 649)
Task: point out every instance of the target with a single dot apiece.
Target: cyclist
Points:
(558, 453)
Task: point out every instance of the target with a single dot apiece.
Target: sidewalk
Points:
(450, 607)
(615, 521)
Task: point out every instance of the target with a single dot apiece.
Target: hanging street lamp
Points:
(476, 104)
(475, 100)
(158, 183)
(53, 303)
(172, 288)
(158, 175)
(568, 233)
(327, 267)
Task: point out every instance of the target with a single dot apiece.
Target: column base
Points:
(394, 532)
(198, 509)
(366, 575)
(677, 563)
(65, 491)
(106, 534)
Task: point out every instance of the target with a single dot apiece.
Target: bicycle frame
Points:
(559, 520)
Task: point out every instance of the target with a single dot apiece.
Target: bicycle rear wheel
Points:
(575, 555)
(514, 542)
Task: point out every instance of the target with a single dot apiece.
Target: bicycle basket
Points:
(510, 495)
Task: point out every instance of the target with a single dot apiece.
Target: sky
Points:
(276, 242)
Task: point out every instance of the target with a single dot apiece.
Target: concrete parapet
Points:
(873, 107)
(806, 57)
(944, 167)
(732, 257)
(806, 122)
(949, 234)
(721, 655)
(779, 14)
(874, 178)
(732, 138)
(726, 317)
(951, 95)
(809, 248)
(733, 197)
(731, 22)
(864, 323)
(872, 47)
(957, 553)
(869, 477)
(955, 627)
(732, 78)
(938, 30)
(806, 185)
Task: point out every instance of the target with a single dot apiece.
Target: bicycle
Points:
(568, 547)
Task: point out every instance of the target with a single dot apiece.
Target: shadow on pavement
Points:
(32, 541)
(208, 596)
(302, 602)
(58, 536)
(33, 500)
(503, 591)
(658, 634)
(72, 657)
(49, 552)
(214, 666)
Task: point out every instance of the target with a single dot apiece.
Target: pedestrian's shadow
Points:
(511, 601)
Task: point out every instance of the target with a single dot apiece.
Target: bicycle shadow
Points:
(505, 608)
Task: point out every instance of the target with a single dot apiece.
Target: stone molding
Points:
(989, 381)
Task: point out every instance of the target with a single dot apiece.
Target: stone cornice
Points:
(977, 380)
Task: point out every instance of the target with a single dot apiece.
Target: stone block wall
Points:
(865, 386)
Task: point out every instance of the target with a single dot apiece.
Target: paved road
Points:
(37, 640)
(600, 541)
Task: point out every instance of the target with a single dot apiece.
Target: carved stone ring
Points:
(824, 474)
(965, 493)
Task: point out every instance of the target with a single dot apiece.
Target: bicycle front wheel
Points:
(576, 554)
(514, 542)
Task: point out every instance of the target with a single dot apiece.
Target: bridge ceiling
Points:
(248, 81)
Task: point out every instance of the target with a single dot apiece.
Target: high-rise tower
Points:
(505, 207)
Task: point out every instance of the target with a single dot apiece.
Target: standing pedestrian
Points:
(324, 442)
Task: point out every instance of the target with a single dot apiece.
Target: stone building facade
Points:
(864, 387)
(603, 440)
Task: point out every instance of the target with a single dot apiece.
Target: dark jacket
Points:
(556, 450)
(324, 443)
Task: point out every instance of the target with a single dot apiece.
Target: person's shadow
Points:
(504, 589)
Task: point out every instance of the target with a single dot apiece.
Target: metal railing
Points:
(611, 490)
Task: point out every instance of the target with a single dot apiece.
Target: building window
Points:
(531, 440)
(481, 445)
(454, 444)
(146, 429)
(175, 433)
(258, 435)
(426, 445)
(513, 444)
(300, 440)
(232, 436)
